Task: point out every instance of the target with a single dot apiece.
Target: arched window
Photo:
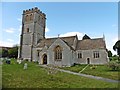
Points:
(58, 53)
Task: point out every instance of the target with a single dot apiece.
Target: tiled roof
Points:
(97, 43)
(87, 44)
(48, 41)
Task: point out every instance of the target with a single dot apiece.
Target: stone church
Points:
(60, 51)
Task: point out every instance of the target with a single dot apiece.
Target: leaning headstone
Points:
(25, 66)
(19, 61)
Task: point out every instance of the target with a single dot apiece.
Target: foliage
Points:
(14, 76)
(3, 52)
(100, 70)
(109, 53)
(13, 52)
(114, 58)
(93, 67)
(113, 65)
(10, 52)
(117, 47)
(85, 37)
(51, 69)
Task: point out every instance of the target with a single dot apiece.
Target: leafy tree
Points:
(13, 52)
(113, 65)
(109, 53)
(117, 47)
(85, 37)
(3, 52)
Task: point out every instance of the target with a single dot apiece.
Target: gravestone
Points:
(25, 66)
(19, 61)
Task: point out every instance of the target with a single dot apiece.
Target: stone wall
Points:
(66, 54)
(26, 52)
(89, 54)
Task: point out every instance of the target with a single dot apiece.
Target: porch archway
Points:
(44, 57)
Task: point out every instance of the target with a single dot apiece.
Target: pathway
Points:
(88, 76)
(84, 68)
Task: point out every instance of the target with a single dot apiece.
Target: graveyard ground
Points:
(100, 70)
(14, 76)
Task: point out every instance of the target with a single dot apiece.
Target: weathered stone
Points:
(34, 46)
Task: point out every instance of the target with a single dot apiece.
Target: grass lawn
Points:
(13, 76)
(0, 76)
(100, 70)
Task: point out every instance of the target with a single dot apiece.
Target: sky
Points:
(65, 18)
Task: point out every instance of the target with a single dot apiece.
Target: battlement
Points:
(32, 11)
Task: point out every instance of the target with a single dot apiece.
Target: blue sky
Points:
(66, 19)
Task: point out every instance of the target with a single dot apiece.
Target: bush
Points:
(114, 65)
(93, 67)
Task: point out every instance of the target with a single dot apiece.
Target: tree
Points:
(113, 65)
(85, 37)
(117, 47)
(4, 52)
(13, 52)
(109, 53)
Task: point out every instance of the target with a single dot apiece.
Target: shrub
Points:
(93, 67)
(114, 65)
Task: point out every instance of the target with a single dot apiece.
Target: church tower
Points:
(33, 30)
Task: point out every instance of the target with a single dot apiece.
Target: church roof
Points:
(49, 41)
(87, 44)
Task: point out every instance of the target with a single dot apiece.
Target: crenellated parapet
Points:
(33, 10)
(34, 15)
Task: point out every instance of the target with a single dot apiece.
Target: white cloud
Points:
(110, 44)
(6, 44)
(114, 25)
(115, 40)
(80, 35)
(10, 30)
(20, 28)
(19, 19)
(10, 40)
(47, 29)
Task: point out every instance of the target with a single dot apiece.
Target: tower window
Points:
(27, 30)
(31, 17)
(26, 18)
(39, 18)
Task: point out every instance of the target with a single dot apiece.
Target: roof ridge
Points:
(91, 39)
(62, 37)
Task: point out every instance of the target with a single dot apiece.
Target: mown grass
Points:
(0, 76)
(100, 70)
(13, 76)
